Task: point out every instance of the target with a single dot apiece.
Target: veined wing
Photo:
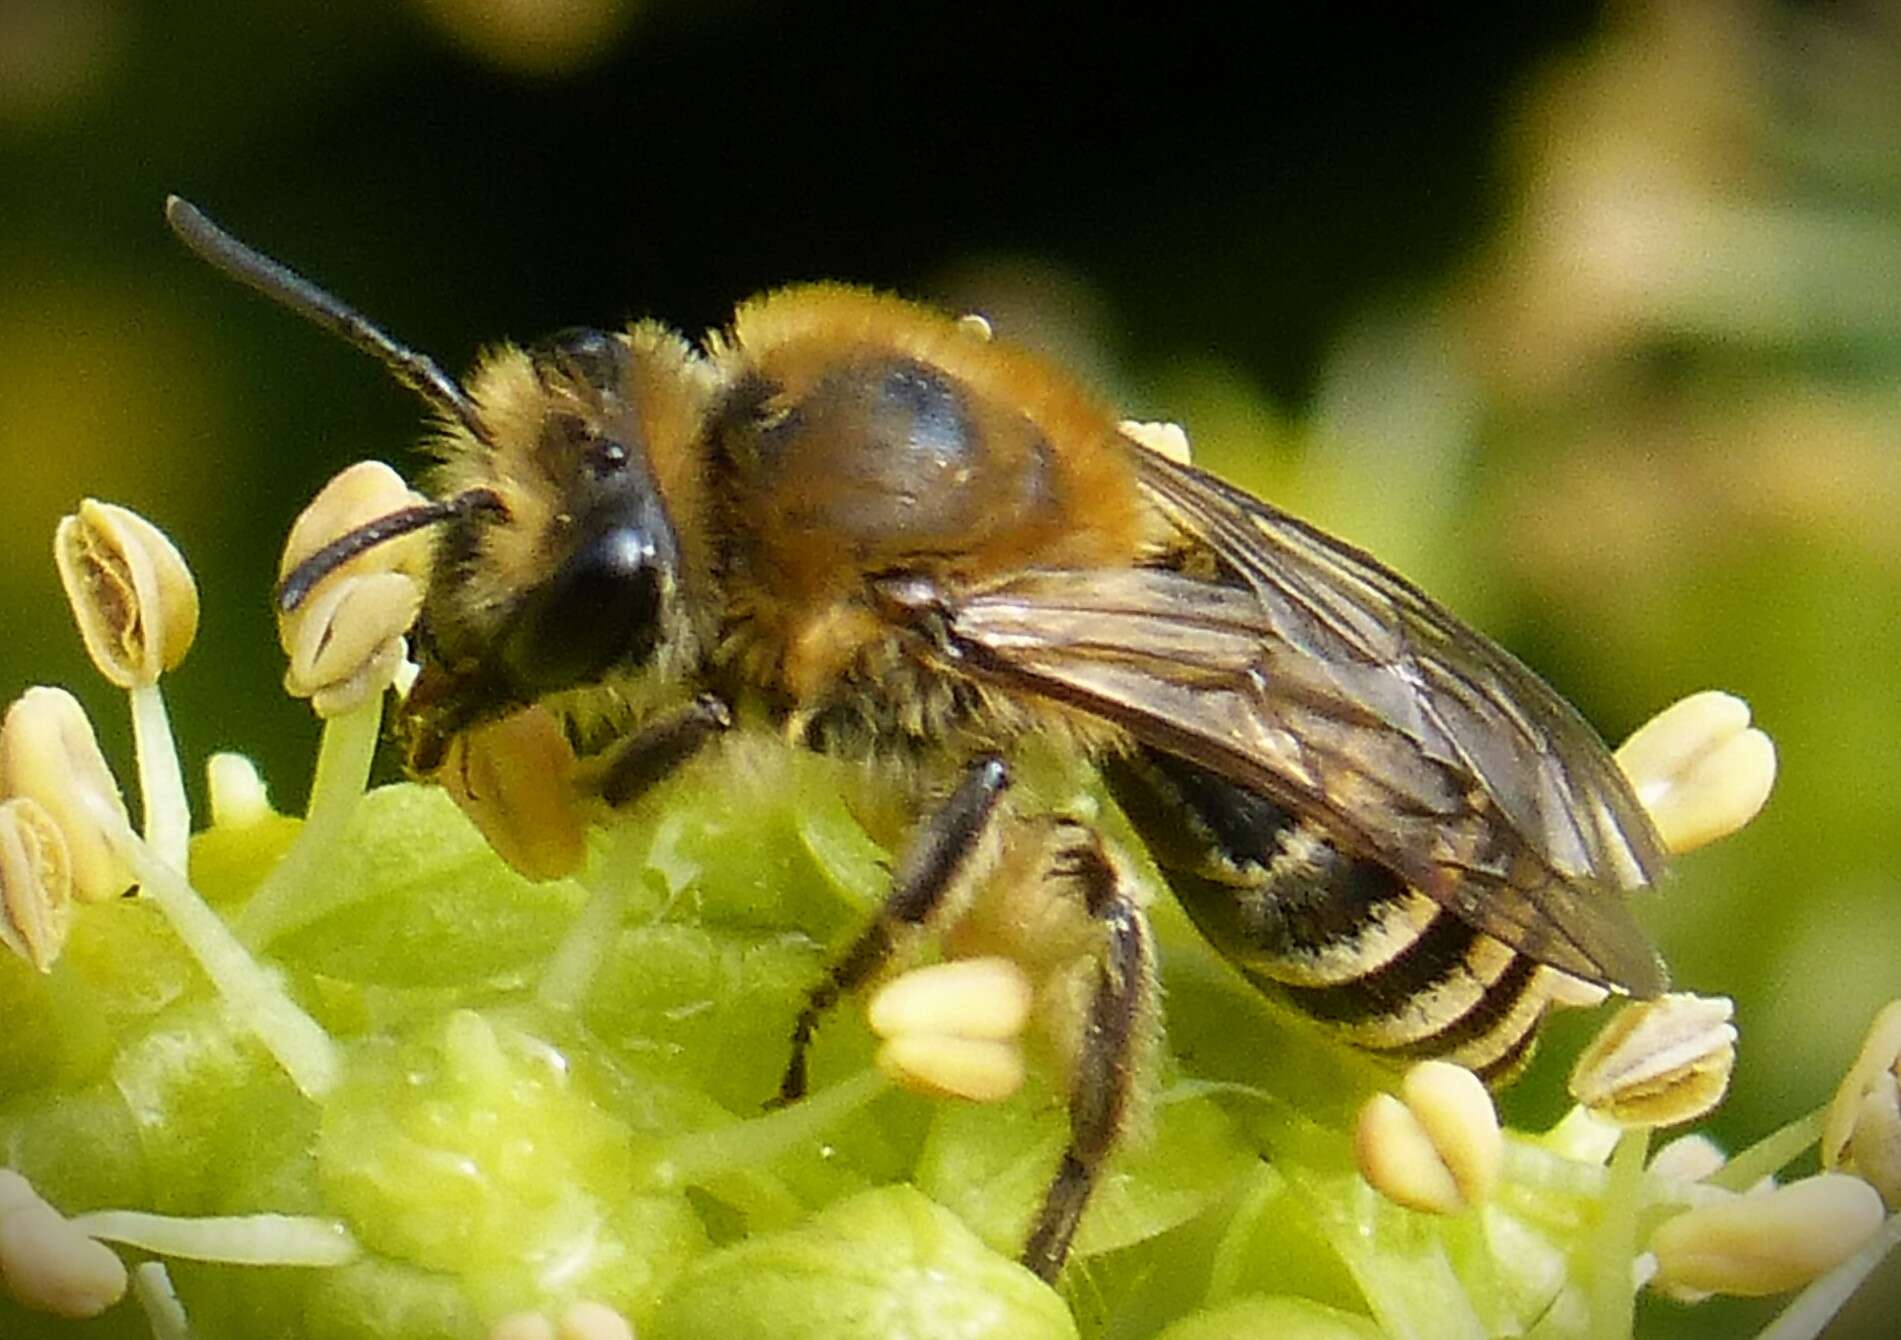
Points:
(1310, 673)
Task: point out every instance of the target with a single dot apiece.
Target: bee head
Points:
(557, 563)
(575, 578)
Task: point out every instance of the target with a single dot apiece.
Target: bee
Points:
(891, 539)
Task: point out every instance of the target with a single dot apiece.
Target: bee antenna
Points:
(282, 284)
(302, 579)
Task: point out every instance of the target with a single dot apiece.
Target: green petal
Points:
(1264, 1318)
(470, 1150)
(992, 1163)
(887, 1264)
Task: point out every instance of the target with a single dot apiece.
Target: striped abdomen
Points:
(1341, 938)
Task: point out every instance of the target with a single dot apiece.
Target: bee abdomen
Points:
(1456, 993)
(1411, 987)
(1341, 938)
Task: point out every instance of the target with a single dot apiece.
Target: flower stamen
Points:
(47, 1263)
(1700, 769)
(136, 605)
(1659, 1062)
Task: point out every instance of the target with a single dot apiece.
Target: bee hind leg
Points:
(933, 874)
(1112, 1037)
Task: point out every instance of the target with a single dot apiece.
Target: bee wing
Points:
(1311, 674)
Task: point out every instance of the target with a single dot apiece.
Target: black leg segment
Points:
(935, 864)
(654, 752)
(1105, 1069)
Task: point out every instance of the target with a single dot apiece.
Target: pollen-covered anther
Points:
(1861, 1131)
(1440, 1150)
(1688, 1158)
(1164, 439)
(952, 1029)
(1659, 1062)
(515, 780)
(1561, 988)
(345, 642)
(132, 596)
(1457, 1112)
(589, 1320)
(979, 1070)
(345, 637)
(48, 1265)
(967, 998)
(1397, 1157)
(1764, 1244)
(237, 794)
(36, 883)
(48, 752)
(1700, 768)
(363, 493)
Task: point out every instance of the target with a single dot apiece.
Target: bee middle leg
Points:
(1114, 1031)
(935, 866)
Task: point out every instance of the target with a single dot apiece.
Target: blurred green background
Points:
(1591, 325)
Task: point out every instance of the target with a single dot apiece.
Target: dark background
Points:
(1189, 190)
(1586, 320)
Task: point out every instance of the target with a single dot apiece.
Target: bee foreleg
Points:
(1111, 1039)
(652, 753)
(937, 863)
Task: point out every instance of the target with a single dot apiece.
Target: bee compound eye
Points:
(599, 612)
(587, 355)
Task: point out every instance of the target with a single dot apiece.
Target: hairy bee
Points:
(894, 540)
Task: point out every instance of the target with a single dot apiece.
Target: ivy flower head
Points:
(516, 1095)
